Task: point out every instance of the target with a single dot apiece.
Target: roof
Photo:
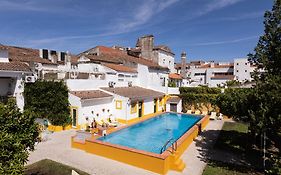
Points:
(15, 66)
(217, 65)
(90, 94)
(174, 99)
(2, 47)
(229, 77)
(26, 55)
(120, 68)
(175, 76)
(111, 55)
(135, 93)
(163, 48)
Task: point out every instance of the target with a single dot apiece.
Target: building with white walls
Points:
(12, 76)
(243, 69)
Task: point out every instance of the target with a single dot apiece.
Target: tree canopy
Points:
(18, 134)
(48, 99)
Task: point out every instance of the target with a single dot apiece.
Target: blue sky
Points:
(206, 29)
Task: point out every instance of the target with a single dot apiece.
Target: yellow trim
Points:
(134, 107)
(55, 128)
(118, 104)
(157, 105)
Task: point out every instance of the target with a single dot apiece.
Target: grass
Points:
(234, 139)
(221, 168)
(49, 167)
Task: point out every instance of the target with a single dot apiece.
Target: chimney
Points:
(146, 44)
(183, 65)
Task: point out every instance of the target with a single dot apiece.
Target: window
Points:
(120, 75)
(45, 54)
(118, 104)
(198, 74)
(245, 70)
(237, 71)
(120, 79)
(237, 64)
(245, 63)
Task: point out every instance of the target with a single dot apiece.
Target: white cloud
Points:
(225, 42)
(142, 15)
(216, 5)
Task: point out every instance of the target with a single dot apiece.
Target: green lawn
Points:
(234, 138)
(49, 167)
(221, 168)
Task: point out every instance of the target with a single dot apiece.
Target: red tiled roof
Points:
(164, 48)
(135, 93)
(120, 68)
(15, 66)
(216, 65)
(174, 99)
(229, 77)
(90, 94)
(175, 76)
(25, 55)
(107, 54)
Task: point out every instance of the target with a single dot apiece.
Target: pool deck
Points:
(58, 148)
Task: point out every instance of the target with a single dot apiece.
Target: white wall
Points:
(166, 60)
(4, 56)
(243, 69)
(148, 106)
(97, 106)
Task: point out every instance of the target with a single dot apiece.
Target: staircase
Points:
(176, 162)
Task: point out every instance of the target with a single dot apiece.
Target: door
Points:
(74, 117)
(173, 107)
(140, 109)
(155, 103)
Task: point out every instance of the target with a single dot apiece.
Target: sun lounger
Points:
(197, 112)
(213, 116)
(189, 111)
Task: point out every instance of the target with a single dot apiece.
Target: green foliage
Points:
(235, 103)
(18, 134)
(49, 167)
(172, 84)
(232, 83)
(199, 90)
(49, 99)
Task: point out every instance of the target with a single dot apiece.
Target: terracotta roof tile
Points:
(229, 77)
(175, 76)
(90, 94)
(135, 93)
(107, 54)
(26, 55)
(120, 68)
(15, 66)
(174, 99)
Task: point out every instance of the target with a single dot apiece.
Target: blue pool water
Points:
(153, 133)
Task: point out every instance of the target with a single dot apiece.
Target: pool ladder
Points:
(174, 146)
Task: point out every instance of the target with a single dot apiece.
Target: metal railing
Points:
(174, 146)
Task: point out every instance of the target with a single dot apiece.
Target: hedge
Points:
(199, 90)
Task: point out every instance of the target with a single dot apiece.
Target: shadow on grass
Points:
(233, 149)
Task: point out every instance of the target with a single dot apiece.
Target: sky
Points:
(218, 30)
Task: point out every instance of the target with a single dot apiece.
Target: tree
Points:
(49, 99)
(18, 134)
(265, 113)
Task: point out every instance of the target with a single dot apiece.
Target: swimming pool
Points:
(152, 134)
(140, 144)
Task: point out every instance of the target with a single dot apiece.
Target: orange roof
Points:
(216, 65)
(120, 68)
(15, 66)
(175, 76)
(90, 94)
(22, 54)
(107, 54)
(229, 77)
